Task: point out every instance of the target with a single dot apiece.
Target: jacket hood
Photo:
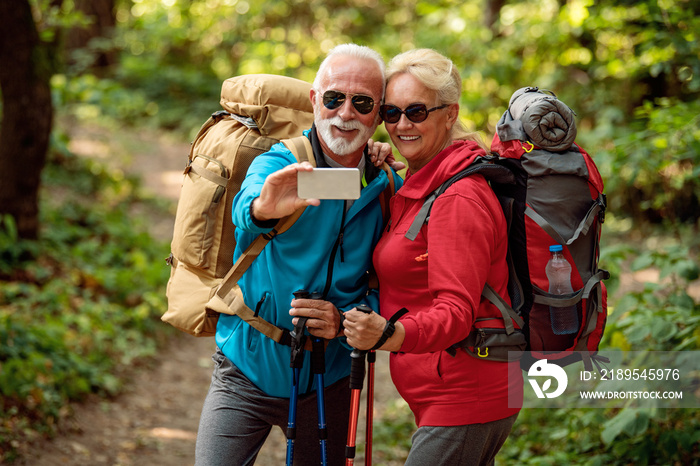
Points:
(450, 161)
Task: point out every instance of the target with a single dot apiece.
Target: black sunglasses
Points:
(414, 112)
(335, 99)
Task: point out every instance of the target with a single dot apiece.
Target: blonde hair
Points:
(438, 73)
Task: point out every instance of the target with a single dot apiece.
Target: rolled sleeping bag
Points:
(548, 122)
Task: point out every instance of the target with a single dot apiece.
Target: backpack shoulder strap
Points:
(300, 147)
(484, 166)
(385, 203)
(389, 191)
(228, 298)
(507, 312)
(390, 175)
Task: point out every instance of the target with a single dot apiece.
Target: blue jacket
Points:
(300, 259)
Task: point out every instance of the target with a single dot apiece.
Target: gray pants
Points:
(470, 445)
(237, 418)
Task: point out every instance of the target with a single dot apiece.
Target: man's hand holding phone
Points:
(278, 197)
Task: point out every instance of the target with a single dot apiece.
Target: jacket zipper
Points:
(259, 305)
(338, 244)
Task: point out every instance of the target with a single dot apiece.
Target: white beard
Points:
(340, 146)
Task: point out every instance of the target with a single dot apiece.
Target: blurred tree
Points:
(89, 45)
(491, 12)
(630, 69)
(26, 67)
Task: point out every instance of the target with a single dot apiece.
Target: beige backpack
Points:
(259, 111)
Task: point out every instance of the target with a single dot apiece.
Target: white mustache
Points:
(345, 125)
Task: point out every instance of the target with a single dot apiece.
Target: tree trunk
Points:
(492, 11)
(27, 114)
(103, 16)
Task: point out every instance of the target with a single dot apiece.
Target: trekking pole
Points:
(357, 375)
(318, 365)
(371, 358)
(296, 362)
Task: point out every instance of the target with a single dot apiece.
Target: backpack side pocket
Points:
(203, 189)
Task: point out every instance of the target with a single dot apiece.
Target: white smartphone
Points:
(329, 183)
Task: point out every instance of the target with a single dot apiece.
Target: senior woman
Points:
(460, 403)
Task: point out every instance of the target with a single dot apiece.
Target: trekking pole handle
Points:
(357, 369)
(318, 363)
(357, 366)
(298, 337)
(318, 358)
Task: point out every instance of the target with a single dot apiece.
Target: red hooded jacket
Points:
(439, 278)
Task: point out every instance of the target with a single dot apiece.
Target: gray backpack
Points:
(551, 193)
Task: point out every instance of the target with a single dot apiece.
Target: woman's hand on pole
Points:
(363, 330)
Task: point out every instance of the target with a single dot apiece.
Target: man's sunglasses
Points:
(414, 112)
(335, 99)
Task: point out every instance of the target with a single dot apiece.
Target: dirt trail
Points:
(155, 420)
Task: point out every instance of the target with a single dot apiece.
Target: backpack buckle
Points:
(219, 114)
(269, 235)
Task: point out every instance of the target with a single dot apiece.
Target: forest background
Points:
(82, 284)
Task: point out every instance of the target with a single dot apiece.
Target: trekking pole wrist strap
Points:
(341, 327)
(389, 328)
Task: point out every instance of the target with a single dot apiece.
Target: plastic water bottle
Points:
(564, 319)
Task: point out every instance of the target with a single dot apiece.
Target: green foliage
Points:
(662, 316)
(392, 433)
(80, 305)
(631, 71)
(13, 250)
(653, 166)
(90, 98)
(596, 437)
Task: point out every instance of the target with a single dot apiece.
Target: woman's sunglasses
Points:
(335, 99)
(414, 112)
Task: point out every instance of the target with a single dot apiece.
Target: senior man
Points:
(328, 250)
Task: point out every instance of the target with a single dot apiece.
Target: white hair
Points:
(353, 51)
